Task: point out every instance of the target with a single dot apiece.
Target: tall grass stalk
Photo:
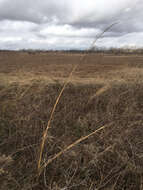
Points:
(40, 168)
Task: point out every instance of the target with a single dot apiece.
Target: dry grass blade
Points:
(100, 35)
(60, 94)
(51, 116)
(72, 145)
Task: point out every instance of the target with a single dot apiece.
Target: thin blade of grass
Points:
(51, 116)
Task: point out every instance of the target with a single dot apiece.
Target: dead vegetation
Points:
(104, 91)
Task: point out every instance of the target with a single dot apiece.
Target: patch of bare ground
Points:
(103, 91)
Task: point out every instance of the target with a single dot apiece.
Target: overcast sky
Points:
(66, 24)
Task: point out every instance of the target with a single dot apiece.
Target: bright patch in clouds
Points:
(68, 24)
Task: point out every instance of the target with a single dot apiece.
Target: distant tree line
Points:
(115, 51)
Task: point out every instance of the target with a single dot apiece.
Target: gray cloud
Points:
(67, 24)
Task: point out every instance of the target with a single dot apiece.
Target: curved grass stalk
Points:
(56, 103)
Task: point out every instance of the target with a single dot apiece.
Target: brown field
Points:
(105, 90)
(24, 67)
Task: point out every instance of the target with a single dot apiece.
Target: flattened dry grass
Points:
(112, 158)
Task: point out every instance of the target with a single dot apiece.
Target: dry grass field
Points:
(104, 91)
